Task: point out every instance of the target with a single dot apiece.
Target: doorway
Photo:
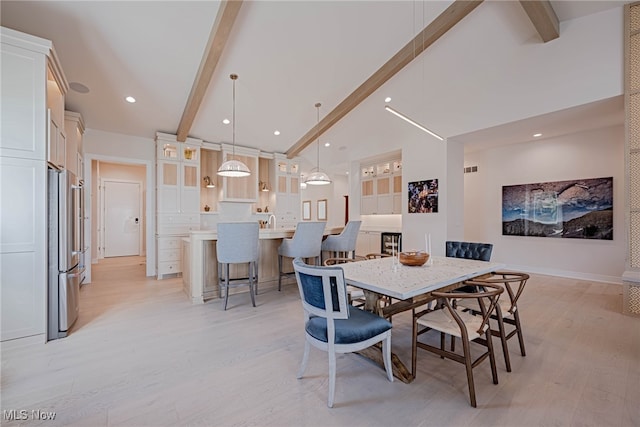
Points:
(122, 206)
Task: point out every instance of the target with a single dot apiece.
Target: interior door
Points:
(121, 218)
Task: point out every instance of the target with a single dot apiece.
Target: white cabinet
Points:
(30, 77)
(74, 129)
(381, 188)
(368, 242)
(178, 198)
(57, 142)
(287, 188)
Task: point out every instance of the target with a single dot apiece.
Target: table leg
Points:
(400, 371)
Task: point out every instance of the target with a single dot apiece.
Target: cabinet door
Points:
(242, 189)
(384, 203)
(168, 189)
(189, 188)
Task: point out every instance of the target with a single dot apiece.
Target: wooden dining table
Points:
(410, 287)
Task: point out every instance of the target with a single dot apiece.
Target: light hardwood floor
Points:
(142, 355)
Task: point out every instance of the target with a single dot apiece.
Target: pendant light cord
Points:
(234, 77)
(318, 134)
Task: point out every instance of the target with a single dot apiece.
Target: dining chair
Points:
(334, 326)
(237, 243)
(469, 250)
(343, 244)
(355, 295)
(376, 255)
(462, 324)
(305, 243)
(506, 310)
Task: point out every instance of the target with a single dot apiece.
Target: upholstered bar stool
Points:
(344, 244)
(305, 243)
(237, 244)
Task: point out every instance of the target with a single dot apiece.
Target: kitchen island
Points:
(200, 267)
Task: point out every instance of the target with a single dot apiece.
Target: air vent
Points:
(471, 169)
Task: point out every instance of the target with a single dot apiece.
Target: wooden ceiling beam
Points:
(220, 31)
(432, 32)
(543, 17)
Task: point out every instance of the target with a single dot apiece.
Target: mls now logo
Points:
(14, 414)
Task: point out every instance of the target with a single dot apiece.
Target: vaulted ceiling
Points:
(288, 55)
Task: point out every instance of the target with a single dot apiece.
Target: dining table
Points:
(408, 287)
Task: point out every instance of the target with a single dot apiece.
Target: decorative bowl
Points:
(413, 259)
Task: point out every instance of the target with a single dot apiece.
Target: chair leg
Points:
(226, 285)
(279, 272)
(305, 359)
(386, 354)
(332, 377)
(492, 356)
(255, 284)
(503, 339)
(220, 280)
(252, 267)
(414, 344)
(469, 366)
(443, 339)
(516, 318)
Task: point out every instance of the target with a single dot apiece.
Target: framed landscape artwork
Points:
(579, 209)
(423, 196)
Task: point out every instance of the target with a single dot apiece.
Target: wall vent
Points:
(471, 169)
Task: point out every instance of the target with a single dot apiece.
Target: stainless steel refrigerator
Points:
(66, 241)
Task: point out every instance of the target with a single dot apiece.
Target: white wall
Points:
(593, 154)
(334, 193)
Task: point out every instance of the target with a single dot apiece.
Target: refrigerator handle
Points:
(79, 220)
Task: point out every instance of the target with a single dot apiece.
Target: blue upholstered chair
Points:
(469, 250)
(343, 244)
(305, 243)
(331, 324)
(237, 244)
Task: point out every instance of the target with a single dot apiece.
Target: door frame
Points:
(149, 213)
(102, 211)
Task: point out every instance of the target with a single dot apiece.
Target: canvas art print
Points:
(581, 209)
(423, 196)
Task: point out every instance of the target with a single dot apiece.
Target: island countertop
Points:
(198, 259)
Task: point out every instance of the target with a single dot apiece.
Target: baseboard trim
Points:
(568, 274)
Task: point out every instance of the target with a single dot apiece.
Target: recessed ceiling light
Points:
(387, 99)
(276, 133)
(535, 135)
(327, 144)
(130, 99)
(347, 172)
(226, 121)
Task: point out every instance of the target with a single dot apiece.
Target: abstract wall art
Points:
(579, 209)
(423, 196)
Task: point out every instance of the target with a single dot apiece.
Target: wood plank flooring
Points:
(142, 355)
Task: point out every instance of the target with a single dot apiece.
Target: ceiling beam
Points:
(543, 17)
(432, 32)
(220, 31)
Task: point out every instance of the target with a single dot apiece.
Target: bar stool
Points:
(305, 243)
(342, 244)
(237, 244)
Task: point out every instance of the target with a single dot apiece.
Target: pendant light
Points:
(317, 177)
(234, 168)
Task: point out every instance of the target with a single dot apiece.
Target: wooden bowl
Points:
(413, 258)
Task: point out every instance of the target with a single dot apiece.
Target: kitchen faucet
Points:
(274, 221)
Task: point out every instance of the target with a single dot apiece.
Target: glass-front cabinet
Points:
(381, 187)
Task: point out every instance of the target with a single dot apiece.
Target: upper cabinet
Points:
(74, 128)
(287, 187)
(34, 82)
(178, 175)
(381, 188)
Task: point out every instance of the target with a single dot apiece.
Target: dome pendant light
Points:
(234, 168)
(317, 177)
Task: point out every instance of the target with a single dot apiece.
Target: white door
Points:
(121, 218)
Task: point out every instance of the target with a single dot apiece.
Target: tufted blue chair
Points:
(469, 250)
(237, 244)
(344, 242)
(305, 243)
(334, 326)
